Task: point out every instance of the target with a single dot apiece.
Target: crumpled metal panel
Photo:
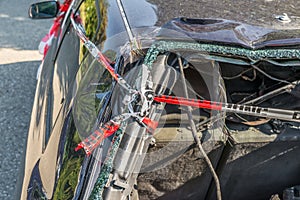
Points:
(231, 32)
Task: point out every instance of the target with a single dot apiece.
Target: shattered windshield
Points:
(232, 79)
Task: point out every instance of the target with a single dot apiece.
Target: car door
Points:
(50, 92)
(38, 127)
(60, 129)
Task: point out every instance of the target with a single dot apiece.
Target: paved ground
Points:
(19, 59)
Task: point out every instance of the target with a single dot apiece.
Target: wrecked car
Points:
(136, 101)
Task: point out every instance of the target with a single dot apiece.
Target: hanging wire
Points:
(196, 138)
(269, 76)
(237, 76)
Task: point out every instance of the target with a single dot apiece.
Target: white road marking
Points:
(10, 55)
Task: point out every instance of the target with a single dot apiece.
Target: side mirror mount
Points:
(43, 10)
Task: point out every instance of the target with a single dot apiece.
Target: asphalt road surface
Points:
(19, 60)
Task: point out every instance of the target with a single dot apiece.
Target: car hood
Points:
(228, 32)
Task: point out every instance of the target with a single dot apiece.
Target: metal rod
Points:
(125, 20)
(289, 115)
(278, 91)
